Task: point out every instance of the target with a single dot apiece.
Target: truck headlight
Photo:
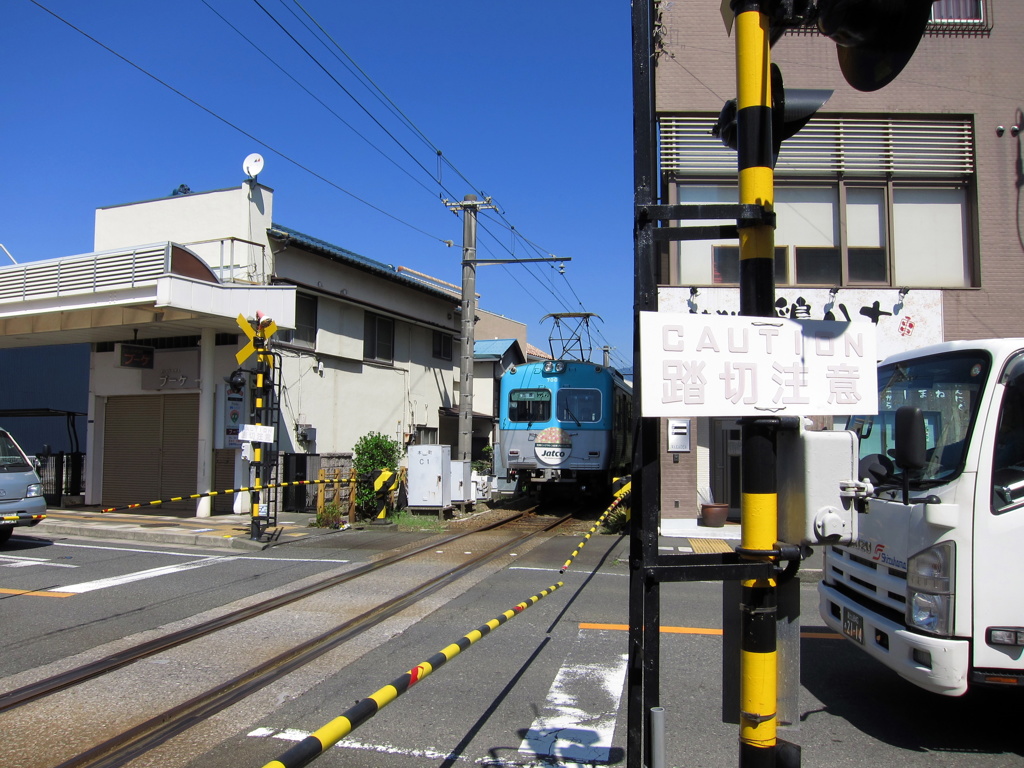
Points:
(930, 589)
(34, 489)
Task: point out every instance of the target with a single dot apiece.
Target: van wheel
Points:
(5, 533)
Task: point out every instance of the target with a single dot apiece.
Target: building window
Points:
(850, 233)
(442, 345)
(304, 334)
(944, 11)
(379, 338)
(426, 435)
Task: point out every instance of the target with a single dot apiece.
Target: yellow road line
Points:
(33, 593)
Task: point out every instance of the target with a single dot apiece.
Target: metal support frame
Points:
(754, 564)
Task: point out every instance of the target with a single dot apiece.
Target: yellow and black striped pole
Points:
(759, 504)
(261, 405)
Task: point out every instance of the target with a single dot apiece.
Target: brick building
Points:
(900, 207)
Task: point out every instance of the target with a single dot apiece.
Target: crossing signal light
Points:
(791, 111)
(875, 39)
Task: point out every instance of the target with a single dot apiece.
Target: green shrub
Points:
(617, 521)
(483, 466)
(330, 516)
(373, 451)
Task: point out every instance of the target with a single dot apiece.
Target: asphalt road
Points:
(546, 688)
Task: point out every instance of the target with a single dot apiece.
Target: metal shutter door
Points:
(131, 450)
(150, 451)
(180, 450)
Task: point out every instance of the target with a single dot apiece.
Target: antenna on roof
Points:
(252, 165)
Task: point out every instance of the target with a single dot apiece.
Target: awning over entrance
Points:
(158, 290)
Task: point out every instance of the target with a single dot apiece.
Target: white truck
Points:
(932, 583)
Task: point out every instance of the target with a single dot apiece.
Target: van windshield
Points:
(11, 457)
(947, 388)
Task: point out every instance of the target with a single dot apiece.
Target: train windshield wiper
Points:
(573, 416)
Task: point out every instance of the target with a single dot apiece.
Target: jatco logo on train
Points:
(553, 446)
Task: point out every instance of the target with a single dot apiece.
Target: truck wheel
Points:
(5, 533)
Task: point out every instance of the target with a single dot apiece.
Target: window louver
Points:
(849, 146)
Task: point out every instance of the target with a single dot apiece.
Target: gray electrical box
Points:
(818, 486)
(430, 476)
(461, 482)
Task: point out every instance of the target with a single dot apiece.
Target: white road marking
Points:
(567, 732)
(567, 573)
(152, 573)
(293, 735)
(193, 554)
(18, 561)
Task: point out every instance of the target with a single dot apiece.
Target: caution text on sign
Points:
(711, 365)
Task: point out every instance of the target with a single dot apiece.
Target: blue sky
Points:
(529, 102)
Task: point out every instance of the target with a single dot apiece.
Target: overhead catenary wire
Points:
(313, 96)
(548, 287)
(379, 93)
(234, 126)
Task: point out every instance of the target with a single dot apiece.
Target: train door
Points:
(725, 469)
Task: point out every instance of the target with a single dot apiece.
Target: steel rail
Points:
(122, 749)
(42, 688)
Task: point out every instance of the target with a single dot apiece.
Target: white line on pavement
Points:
(566, 731)
(152, 573)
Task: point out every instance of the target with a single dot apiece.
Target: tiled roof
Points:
(343, 255)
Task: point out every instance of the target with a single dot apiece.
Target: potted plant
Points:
(712, 515)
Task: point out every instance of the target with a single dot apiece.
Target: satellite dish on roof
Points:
(253, 165)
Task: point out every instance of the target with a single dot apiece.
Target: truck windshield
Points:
(11, 458)
(947, 388)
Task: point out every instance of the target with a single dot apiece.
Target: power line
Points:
(312, 95)
(232, 125)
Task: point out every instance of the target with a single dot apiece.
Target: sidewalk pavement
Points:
(230, 531)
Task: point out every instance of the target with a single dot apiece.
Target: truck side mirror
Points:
(910, 444)
(910, 438)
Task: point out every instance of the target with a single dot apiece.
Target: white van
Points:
(21, 492)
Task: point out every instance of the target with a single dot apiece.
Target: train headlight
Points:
(554, 366)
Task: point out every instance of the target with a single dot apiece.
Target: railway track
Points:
(121, 743)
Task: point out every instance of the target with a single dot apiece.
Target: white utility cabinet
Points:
(430, 476)
(462, 482)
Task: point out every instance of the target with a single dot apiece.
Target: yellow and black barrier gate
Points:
(323, 739)
(208, 494)
(621, 497)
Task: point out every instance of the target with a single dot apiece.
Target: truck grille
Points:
(874, 584)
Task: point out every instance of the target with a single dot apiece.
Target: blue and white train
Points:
(565, 424)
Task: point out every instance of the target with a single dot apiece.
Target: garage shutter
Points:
(150, 450)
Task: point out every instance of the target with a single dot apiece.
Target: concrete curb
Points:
(221, 534)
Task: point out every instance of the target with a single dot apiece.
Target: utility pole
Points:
(469, 206)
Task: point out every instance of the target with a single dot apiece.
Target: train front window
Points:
(579, 405)
(529, 405)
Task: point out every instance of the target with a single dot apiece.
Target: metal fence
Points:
(61, 475)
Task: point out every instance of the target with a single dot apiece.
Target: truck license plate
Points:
(853, 625)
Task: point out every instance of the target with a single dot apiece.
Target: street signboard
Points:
(731, 366)
(256, 433)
